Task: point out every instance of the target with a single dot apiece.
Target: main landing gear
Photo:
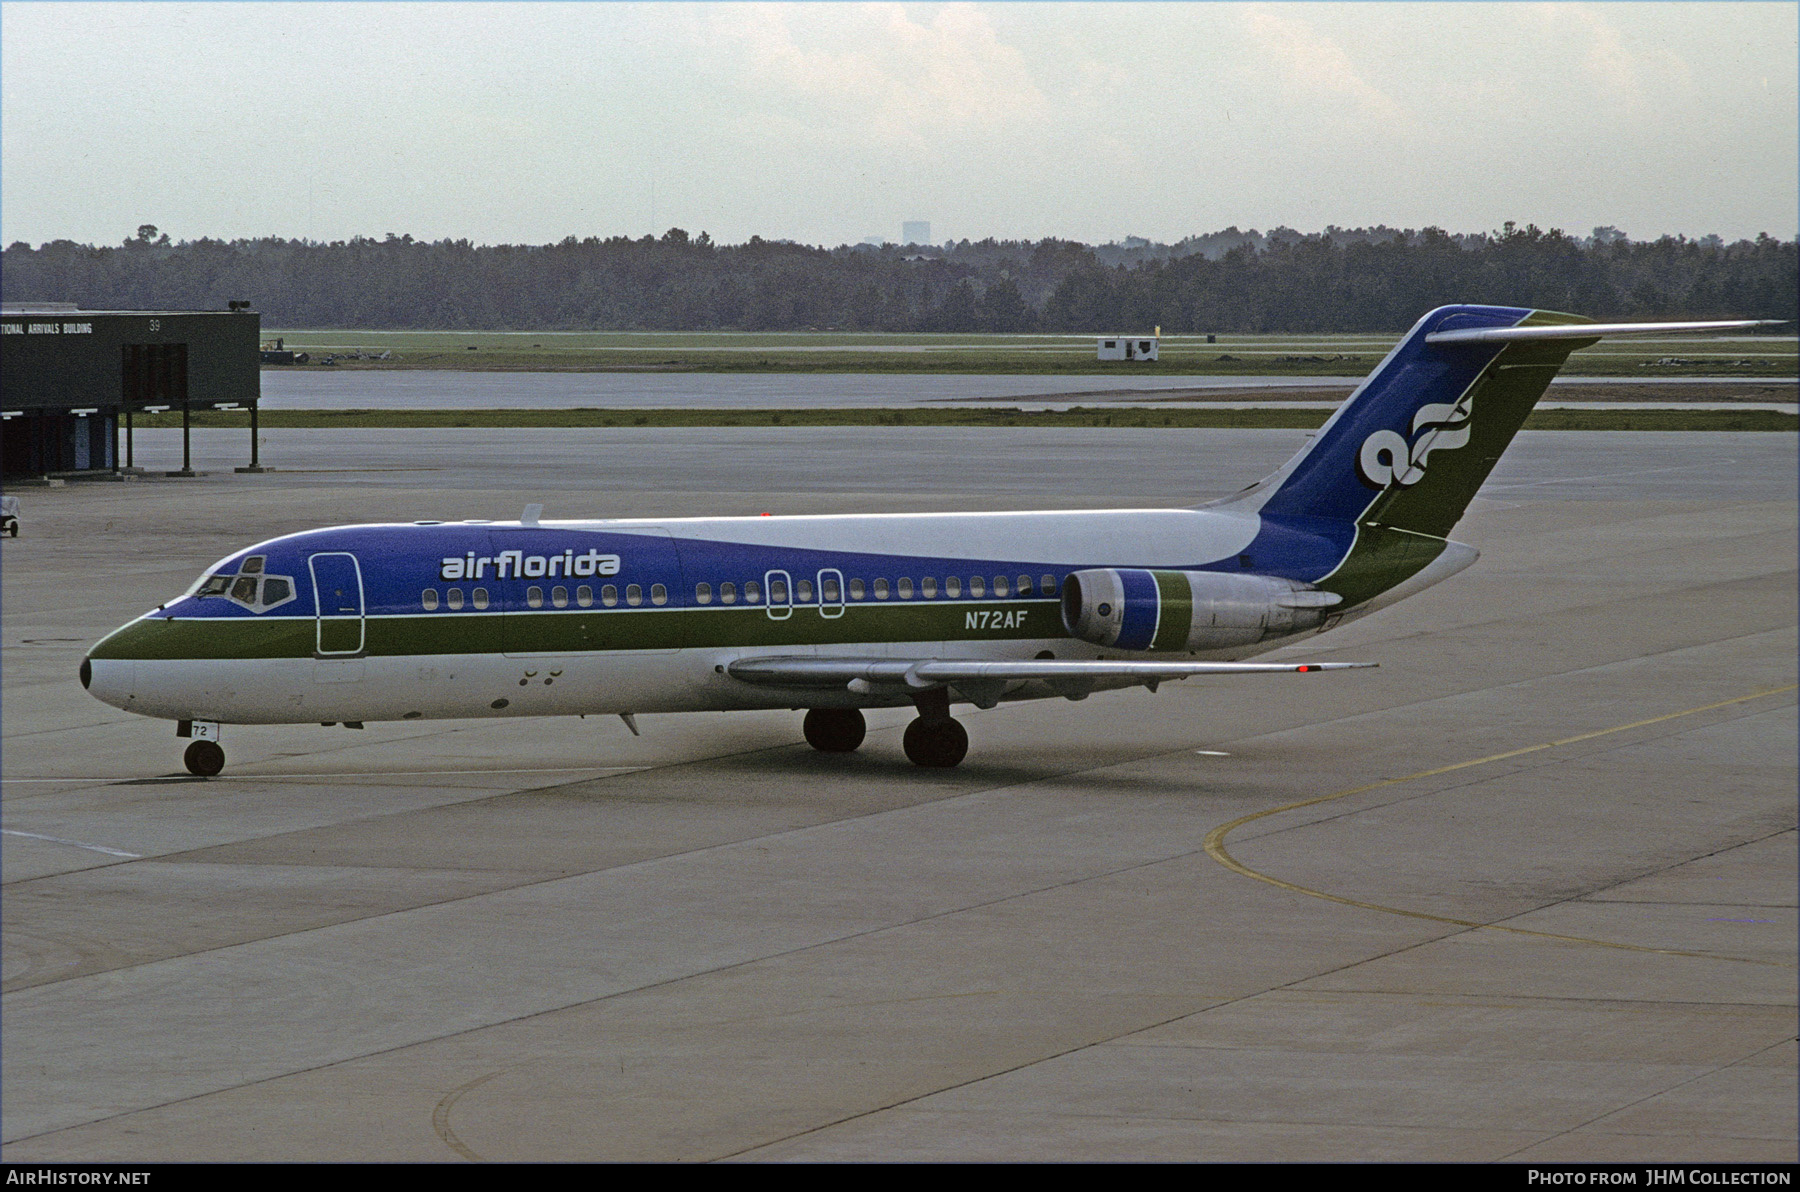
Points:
(935, 744)
(834, 730)
(933, 740)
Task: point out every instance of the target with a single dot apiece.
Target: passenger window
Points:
(479, 598)
(953, 587)
(830, 591)
(1024, 588)
(803, 591)
(276, 590)
(534, 596)
(881, 591)
(1000, 585)
(928, 587)
(727, 593)
(251, 566)
(659, 594)
(453, 598)
(702, 593)
(559, 596)
(903, 588)
(429, 599)
(634, 595)
(609, 595)
(977, 588)
(856, 589)
(752, 591)
(584, 596)
(1047, 584)
(778, 591)
(244, 588)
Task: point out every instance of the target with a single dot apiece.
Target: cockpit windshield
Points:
(246, 584)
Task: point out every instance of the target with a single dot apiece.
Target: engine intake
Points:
(1134, 609)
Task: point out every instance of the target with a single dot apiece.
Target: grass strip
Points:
(1079, 416)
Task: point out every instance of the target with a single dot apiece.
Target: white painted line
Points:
(1212, 753)
(98, 848)
(439, 773)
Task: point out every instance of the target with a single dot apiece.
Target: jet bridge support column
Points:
(255, 444)
(187, 464)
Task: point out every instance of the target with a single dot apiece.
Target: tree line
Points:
(1340, 280)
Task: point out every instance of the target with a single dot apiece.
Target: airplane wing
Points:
(983, 682)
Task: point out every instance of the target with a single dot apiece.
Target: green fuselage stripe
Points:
(573, 631)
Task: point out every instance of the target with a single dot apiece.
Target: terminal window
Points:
(153, 373)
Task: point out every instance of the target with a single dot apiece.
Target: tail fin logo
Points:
(1387, 458)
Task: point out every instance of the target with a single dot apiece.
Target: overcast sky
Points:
(826, 123)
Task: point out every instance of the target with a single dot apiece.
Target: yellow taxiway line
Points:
(1215, 840)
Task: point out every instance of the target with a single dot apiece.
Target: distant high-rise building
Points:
(915, 231)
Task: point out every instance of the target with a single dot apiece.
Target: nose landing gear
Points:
(204, 757)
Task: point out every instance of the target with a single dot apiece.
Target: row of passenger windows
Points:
(559, 596)
(830, 591)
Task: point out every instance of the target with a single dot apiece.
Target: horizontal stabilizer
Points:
(1491, 335)
(923, 673)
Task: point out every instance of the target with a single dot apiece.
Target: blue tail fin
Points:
(1408, 450)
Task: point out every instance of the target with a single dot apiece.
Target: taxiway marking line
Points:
(98, 848)
(1215, 840)
(440, 1116)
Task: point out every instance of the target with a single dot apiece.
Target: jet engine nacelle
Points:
(1132, 609)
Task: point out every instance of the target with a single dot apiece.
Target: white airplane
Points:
(434, 620)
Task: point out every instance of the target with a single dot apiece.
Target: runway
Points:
(1525, 892)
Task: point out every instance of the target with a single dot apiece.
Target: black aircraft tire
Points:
(204, 758)
(935, 744)
(834, 730)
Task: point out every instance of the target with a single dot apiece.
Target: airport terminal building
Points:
(72, 379)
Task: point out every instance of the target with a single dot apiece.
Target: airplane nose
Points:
(109, 669)
(110, 681)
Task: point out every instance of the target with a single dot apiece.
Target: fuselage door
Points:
(781, 595)
(831, 593)
(338, 598)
